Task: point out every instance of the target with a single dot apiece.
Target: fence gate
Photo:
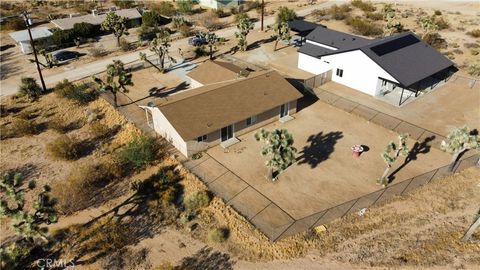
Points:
(311, 83)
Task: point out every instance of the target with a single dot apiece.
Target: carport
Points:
(302, 28)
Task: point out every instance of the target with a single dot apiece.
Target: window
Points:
(339, 72)
(251, 120)
(202, 138)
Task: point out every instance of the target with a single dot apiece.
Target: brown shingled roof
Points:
(216, 71)
(205, 109)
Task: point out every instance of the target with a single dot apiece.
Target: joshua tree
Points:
(285, 14)
(115, 70)
(51, 61)
(391, 154)
(212, 39)
(475, 225)
(116, 24)
(281, 32)
(160, 45)
(143, 57)
(25, 224)
(29, 88)
(279, 146)
(459, 141)
(244, 26)
(393, 25)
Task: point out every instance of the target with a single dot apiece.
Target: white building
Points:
(217, 4)
(23, 40)
(397, 63)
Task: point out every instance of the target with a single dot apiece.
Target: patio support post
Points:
(401, 97)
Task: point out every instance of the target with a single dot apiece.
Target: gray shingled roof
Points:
(303, 27)
(37, 33)
(404, 56)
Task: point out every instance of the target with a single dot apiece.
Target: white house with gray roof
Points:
(375, 67)
(23, 40)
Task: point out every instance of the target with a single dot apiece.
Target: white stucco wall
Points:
(163, 127)
(359, 71)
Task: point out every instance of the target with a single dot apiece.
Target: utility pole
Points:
(263, 10)
(27, 23)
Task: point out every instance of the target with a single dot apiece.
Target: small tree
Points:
(281, 32)
(30, 88)
(116, 80)
(143, 57)
(244, 26)
(160, 46)
(115, 24)
(212, 39)
(185, 6)
(459, 141)
(391, 154)
(279, 146)
(285, 14)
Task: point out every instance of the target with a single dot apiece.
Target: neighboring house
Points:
(218, 4)
(96, 18)
(23, 40)
(376, 67)
(214, 72)
(197, 119)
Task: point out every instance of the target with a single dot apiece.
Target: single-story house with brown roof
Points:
(134, 18)
(215, 71)
(197, 119)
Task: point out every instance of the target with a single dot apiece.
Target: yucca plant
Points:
(279, 147)
(160, 46)
(391, 154)
(281, 32)
(459, 141)
(116, 79)
(244, 26)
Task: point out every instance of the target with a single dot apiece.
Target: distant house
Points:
(96, 18)
(23, 40)
(397, 63)
(215, 71)
(217, 113)
(218, 4)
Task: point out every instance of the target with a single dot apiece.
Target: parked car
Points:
(66, 55)
(197, 40)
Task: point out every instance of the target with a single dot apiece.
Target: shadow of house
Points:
(418, 148)
(207, 259)
(320, 148)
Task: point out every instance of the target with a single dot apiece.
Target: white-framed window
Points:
(202, 138)
(251, 120)
(339, 72)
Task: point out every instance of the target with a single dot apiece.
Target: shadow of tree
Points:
(320, 148)
(418, 148)
(206, 259)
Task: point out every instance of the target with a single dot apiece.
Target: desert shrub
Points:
(81, 94)
(29, 88)
(196, 200)
(177, 22)
(339, 12)
(437, 12)
(63, 147)
(160, 187)
(209, 21)
(249, 5)
(285, 14)
(98, 130)
(474, 33)
(165, 266)
(22, 127)
(474, 52)
(241, 16)
(234, 10)
(200, 51)
(58, 124)
(374, 16)
(458, 51)
(435, 40)
(163, 8)
(125, 45)
(185, 30)
(14, 24)
(218, 235)
(147, 33)
(320, 14)
(138, 152)
(124, 3)
(97, 52)
(78, 190)
(474, 69)
(471, 45)
(364, 6)
(221, 13)
(151, 18)
(364, 27)
(85, 30)
(63, 37)
(441, 23)
(185, 6)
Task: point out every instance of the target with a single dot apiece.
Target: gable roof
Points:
(407, 58)
(303, 27)
(67, 23)
(216, 71)
(202, 110)
(37, 33)
(404, 56)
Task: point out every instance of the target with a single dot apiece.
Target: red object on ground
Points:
(357, 150)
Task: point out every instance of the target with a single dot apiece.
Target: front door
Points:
(226, 133)
(284, 110)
